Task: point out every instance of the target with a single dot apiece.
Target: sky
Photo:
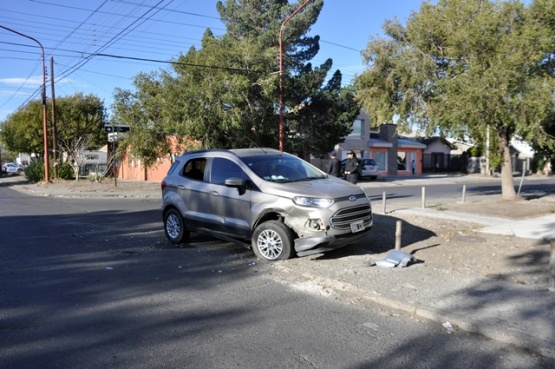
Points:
(97, 46)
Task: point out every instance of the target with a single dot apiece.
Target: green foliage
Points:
(80, 123)
(35, 171)
(226, 93)
(463, 66)
(22, 131)
(475, 151)
(65, 171)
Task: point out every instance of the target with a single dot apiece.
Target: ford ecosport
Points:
(274, 202)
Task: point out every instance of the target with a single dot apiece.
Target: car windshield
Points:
(282, 168)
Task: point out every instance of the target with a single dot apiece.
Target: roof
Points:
(376, 142)
(407, 143)
(402, 142)
(430, 140)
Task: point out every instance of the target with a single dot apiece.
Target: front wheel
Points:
(174, 227)
(272, 241)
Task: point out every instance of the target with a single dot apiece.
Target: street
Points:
(90, 283)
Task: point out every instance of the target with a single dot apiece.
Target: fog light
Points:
(315, 224)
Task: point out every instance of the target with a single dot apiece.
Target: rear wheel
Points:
(272, 241)
(174, 227)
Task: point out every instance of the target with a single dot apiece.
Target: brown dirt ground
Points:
(454, 247)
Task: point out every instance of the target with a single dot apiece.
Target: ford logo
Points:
(352, 198)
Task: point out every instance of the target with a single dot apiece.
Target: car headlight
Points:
(313, 202)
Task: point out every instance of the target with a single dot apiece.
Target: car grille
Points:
(344, 217)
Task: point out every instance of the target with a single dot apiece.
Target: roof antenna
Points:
(254, 144)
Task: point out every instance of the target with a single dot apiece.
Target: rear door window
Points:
(194, 169)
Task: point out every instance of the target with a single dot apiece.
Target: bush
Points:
(35, 171)
(65, 171)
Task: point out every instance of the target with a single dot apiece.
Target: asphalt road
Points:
(94, 284)
(450, 189)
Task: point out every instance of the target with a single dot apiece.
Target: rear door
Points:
(191, 189)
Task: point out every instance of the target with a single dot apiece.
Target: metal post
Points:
(281, 133)
(54, 146)
(384, 198)
(522, 178)
(464, 193)
(43, 93)
(423, 197)
(552, 267)
(398, 232)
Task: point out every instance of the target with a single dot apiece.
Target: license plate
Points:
(357, 226)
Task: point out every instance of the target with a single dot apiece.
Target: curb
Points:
(346, 290)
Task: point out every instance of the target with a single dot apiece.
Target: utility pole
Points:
(43, 96)
(281, 134)
(54, 146)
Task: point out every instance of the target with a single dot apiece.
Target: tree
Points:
(465, 68)
(22, 131)
(80, 123)
(225, 93)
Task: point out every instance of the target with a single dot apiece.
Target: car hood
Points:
(331, 187)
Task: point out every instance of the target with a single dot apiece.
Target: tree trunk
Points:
(507, 182)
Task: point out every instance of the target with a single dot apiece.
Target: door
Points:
(229, 206)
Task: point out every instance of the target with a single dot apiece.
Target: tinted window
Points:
(223, 169)
(194, 169)
(369, 162)
(174, 166)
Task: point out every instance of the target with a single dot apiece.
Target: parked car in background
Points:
(272, 202)
(368, 169)
(12, 168)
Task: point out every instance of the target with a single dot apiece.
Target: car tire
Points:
(174, 227)
(272, 241)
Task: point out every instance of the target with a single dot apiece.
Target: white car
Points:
(12, 168)
(369, 169)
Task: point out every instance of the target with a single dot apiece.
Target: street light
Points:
(43, 93)
(281, 72)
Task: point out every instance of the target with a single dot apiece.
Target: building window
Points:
(380, 158)
(401, 160)
(357, 129)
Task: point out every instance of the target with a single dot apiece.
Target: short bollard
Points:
(398, 230)
(552, 267)
(464, 193)
(423, 197)
(384, 198)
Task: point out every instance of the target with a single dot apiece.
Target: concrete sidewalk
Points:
(496, 308)
(540, 228)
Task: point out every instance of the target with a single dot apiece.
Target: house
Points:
(133, 168)
(440, 155)
(394, 154)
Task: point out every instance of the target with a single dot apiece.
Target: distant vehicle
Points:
(274, 203)
(13, 168)
(369, 169)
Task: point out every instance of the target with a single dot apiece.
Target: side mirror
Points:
(234, 182)
(238, 183)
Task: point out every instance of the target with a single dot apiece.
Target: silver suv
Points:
(271, 201)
